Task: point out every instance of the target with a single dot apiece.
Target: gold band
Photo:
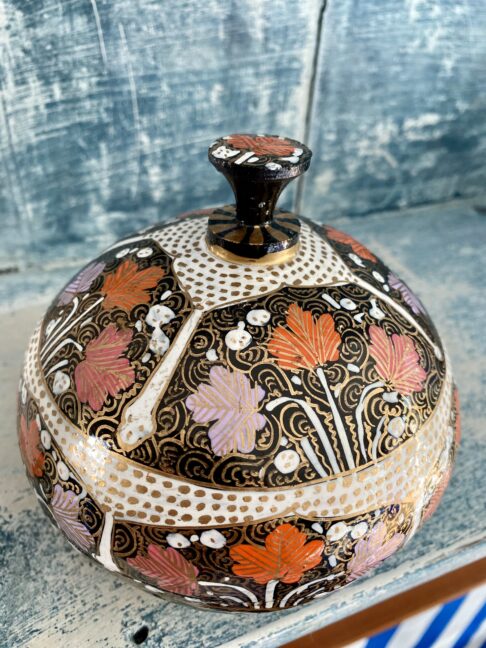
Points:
(274, 258)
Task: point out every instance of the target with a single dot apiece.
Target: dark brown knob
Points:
(257, 167)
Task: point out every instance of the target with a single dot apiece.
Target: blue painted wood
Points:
(107, 109)
(52, 596)
(399, 116)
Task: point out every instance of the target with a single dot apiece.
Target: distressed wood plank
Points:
(51, 596)
(107, 109)
(400, 105)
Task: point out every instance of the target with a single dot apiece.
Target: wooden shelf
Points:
(395, 609)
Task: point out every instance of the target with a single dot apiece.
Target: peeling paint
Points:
(105, 107)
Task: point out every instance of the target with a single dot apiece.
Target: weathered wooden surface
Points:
(399, 116)
(106, 108)
(51, 596)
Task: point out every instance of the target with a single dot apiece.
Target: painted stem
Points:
(137, 422)
(60, 345)
(376, 440)
(359, 414)
(269, 593)
(104, 553)
(59, 322)
(317, 425)
(309, 452)
(65, 329)
(337, 419)
(60, 364)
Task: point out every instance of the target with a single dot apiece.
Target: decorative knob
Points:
(257, 167)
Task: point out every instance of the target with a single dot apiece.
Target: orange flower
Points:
(358, 248)
(127, 286)
(397, 361)
(29, 442)
(261, 145)
(285, 557)
(308, 344)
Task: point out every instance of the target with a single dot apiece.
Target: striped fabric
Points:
(458, 624)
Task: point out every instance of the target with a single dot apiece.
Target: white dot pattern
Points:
(135, 492)
(212, 282)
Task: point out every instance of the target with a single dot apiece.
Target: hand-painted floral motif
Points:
(369, 552)
(237, 435)
(30, 447)
(65, 510)
(168, 569)
(345, 239)
(230, 400)
(306, 343)
(128, 285)
(408, 297)
(397, 361)
(262, 145)
(82, 282)
(285, 557)
(104, 371)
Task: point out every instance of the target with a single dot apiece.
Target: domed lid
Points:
(240, 348)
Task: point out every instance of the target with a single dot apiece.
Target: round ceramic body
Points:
(237, 436)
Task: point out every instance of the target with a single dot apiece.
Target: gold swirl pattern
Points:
(183, 412)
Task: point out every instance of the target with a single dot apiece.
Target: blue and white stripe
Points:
(461, 623)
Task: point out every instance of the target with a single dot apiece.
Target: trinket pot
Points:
(241, 409)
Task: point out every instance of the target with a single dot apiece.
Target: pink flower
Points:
(407, 295)
(397, 361)
(232, 402)
(369, 553)
(65, 510)
(104, 371)
(168, 569)
(81, 283)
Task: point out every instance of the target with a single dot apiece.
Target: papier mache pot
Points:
(240, 409)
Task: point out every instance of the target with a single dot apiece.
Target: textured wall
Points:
(106, 108)
(399, 116)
